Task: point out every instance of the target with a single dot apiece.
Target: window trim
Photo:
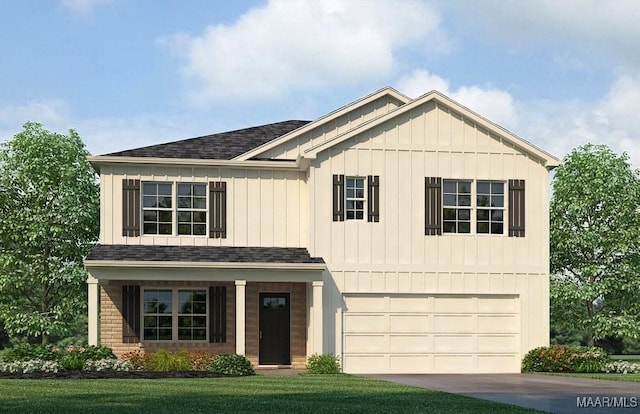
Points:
(362, 199)
(175, 314)
(491, 208)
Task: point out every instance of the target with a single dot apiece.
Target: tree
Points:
(595, 244)
(49, 204)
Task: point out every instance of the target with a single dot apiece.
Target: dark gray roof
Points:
(202, 254)
(222, 146)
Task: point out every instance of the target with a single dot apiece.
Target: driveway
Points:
(554, 394)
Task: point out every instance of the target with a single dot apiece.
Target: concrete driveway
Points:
(543, 392)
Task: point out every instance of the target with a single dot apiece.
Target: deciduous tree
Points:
(595, 244)
(49, 203)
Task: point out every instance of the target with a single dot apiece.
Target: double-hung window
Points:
(157, 208)
(456, 201)
(490, 207)
(192, 209)
(355, 198)
(175, 314)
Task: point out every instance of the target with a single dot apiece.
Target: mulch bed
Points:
(111, 375)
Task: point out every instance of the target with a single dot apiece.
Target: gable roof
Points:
(222, 146)
(549, 160)
(387, 92)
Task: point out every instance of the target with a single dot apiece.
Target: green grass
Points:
(301, 394)
(599, 376)
(628, 358)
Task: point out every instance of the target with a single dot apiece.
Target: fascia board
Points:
(100, 160)
(323, 120)
(90, 264)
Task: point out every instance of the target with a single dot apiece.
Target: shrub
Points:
(232, 364)
(559, 358)
(26, 352)
(164, 361)
(201, 360)
(622, 367)
(107, 364)
(323, 364)
(26, 367)
(96, 353)
(72, 360)
(137, 360)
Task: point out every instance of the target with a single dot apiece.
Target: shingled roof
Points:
(202, 254)
(222, 146)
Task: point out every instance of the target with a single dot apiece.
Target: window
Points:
(456, 201)
(355, 198)
(157, 208)
(175, 314)
(490, 207)
(192, 209)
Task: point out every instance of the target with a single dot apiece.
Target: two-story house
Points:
(403, 235)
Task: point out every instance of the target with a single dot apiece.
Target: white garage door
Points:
(431, 334)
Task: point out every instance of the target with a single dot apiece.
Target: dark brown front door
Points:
(275, 346)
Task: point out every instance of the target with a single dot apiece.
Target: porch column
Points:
(92, 309)
(317, 317)
(240, 316)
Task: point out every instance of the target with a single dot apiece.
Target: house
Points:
(403, 235)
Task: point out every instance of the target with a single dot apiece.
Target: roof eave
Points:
(98, 264)
(101, 160)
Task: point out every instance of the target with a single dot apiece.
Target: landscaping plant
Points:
(323, 364)
(232, 364)
(559, 358)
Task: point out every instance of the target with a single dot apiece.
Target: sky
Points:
(130, 73)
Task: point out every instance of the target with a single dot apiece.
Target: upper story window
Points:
(157, 208)
(456, 201)
(490, 207)
(355, 198)
(192, 209)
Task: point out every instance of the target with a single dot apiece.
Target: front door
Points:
(275, 346)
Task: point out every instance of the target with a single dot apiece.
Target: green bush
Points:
(27, 352)
(323, 364)
(232, 364)
(164, 361)
(72, 361)
(96, 353)
(559, 358)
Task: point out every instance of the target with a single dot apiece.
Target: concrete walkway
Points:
(549, 393)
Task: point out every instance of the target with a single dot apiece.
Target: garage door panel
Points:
(366, 323)
(453, 323)
(408, 304)
(455, 304)
(409, 343)
(454, 343)
(452, 363)
(498, 363)
(366, 343)
(497, 343)
(497, 324)
(409, 323)
(365, 363)
(497, 305)
(410, 364)
(366, 303)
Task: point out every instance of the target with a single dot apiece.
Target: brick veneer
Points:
(111, 319)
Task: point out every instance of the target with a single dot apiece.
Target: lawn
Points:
(599, 376)
(301, 394)
(628, 358)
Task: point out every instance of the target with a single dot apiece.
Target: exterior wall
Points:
(111, 320)
(329, 130)
(394, 255)
(298, 312)
(264, 208)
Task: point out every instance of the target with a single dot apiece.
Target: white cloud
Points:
(299, 46)
(494, 104)
(83, 7)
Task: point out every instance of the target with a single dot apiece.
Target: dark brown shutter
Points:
(130, 208)
(130, 314)
(218, 210)
(373, 198)
(218, 314)
(432, 206)
(338, 197)
(516, 208)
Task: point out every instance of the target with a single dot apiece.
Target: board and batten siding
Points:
(329, 130)
(264, 208)
(394, 255)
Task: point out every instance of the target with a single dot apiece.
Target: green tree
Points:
(595, 244)
(49, 204)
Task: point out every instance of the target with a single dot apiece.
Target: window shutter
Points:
(338, 197)
(130, 208)
(218, 210)
(218, 314)
(373, 202)
(516, 208)
(432, 206)
(130, 314)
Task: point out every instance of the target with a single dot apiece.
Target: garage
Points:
(395, 333)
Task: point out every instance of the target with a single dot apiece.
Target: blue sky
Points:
(128, 73)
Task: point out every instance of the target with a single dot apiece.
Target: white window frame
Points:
(355, 199)
(473, 207)
(490, 208)
(191, 210)
(175, 313)
(457, 207)
(175, 210)
(156, 209)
